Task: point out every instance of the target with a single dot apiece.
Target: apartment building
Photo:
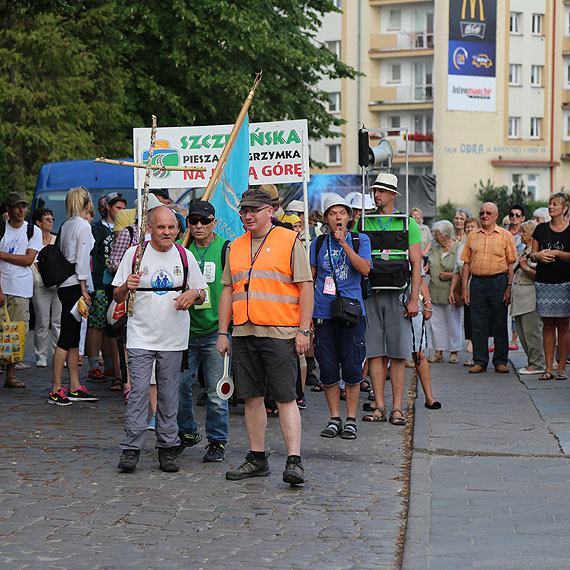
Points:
(482, 86)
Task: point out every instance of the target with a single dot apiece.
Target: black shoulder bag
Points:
(52, 264)
(343, 310)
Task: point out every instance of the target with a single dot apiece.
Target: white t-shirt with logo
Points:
(18, 280)
(156, 324)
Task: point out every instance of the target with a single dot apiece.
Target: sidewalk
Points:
(490, 472)
(63, 504)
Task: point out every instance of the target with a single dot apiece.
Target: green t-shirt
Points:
(204, 318)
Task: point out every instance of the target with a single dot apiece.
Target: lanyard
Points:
(389, 222)
(203, 257)
(254, 257)
(106, 223)
(333, 270)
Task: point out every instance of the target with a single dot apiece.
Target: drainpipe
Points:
(552, 97)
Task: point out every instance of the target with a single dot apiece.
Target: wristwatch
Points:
(305, 332)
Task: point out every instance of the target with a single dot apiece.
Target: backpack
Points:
(29, 230)
(364, 282)
(53, 266)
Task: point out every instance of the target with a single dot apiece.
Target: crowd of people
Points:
(376, 289)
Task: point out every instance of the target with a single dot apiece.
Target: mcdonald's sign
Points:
(473, 20)
(473, 23)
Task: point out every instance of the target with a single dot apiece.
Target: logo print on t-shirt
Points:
(12, 246)
(161, 279)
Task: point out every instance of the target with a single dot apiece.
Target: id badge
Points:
(329, 287)
(385, 255)
(209, 271)
(207, 304)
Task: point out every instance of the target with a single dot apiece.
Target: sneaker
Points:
(22, 366)
(82, 395)
(187, 440)
(251, 467)
(59, 398)
(294, 473)
(152, 422)
(129, 460)
(215, 453)
(302, 403)
(167, 459)
(41, 363)
(96, 375)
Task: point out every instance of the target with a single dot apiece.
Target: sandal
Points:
(350, 430)
(272, 412)
(317, 388)
(435, 358)
(365, 386)
(126, 392)
(469, 363)
(453, 358)
(561, 375)
(397, 421)
(372, 417)
(14, 383)
(546, 376)
(116, 385)
(333, 428)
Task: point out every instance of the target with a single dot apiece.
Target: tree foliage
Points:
(76, 77)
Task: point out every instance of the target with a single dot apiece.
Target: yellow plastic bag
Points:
(12, 341)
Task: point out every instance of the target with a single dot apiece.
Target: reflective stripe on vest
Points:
(270, 298)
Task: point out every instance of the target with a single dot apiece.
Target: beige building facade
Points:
(509, 121)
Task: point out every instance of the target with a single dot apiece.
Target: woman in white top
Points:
(47, 306)
(76, 242)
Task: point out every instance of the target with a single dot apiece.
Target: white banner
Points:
(276, 153)
(471, 93)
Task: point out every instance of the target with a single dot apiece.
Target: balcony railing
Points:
(401, 41)
(417, 93)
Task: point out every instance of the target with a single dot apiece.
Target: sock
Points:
(296, 459)
(258, 454)
(108, 360)
(93, 362)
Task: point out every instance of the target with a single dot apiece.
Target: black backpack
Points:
(29, 230)
(52, 265)
(364, 283)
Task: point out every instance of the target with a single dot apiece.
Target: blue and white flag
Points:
(233, 183)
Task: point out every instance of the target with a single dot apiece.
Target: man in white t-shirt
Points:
(157, 333)
(18, 248)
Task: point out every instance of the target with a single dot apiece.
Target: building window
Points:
(537, 24)
(334, 102)
(568, 23)
(568, 75)
(515, 74)
(514, 127)
(396, 72)
(338, 4)
(333, 154)
(515, 26)
(567, 127)
(535, 127)
(334, 46)
(395, 19)
(532, 185)
(395, 122)
(536, 75)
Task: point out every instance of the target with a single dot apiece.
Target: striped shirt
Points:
(489, 252)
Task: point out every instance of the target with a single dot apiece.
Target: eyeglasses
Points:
(203, 221)
(292, 212)
(246, 211)
(515, 215)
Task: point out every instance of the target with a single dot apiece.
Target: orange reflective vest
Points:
(264, 293)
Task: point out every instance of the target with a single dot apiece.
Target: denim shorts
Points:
(337, 345)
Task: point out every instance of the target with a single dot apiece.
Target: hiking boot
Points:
(187, 440)
(82, 395)
(216, 452)
(293, 473)
(128, 461)
(167, 459)
(251, 467)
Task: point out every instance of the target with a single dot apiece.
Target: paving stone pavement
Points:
(490, 472)
(64, 505)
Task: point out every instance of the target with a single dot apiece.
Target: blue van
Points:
(56, 178)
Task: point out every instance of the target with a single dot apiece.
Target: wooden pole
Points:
(155, 167)
(213, 182)
(142, 221)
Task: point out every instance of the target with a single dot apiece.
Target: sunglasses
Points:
(515, 215)
(203, 221)
(485, 213)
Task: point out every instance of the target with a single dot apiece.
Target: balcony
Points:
(565, 45)
(566, 98)
(402, 94)
(390, 2)
(565, 150)
(401, 44)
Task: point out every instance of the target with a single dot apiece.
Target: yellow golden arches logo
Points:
(472, 8)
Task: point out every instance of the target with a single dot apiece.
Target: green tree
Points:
(446, 211)
(502, 196)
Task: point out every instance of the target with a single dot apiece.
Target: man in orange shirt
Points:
(489, 255)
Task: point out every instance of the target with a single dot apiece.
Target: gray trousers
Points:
(167, 377)
(529, 327)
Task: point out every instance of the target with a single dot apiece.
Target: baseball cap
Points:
(153, 202)
(289, 219)
(271, 189)
(295, 206)
(114, 197)
(386, 181)
(335, 200)
(255, 197)
(201, 208)
(15, 198)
